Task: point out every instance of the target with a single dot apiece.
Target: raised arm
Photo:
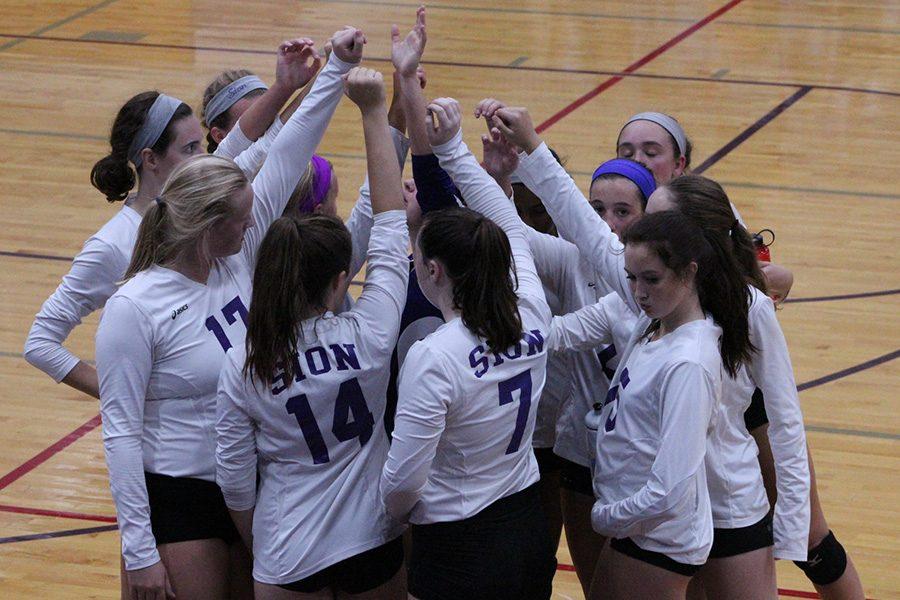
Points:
(481, 192)
(575, 219)
(772, 372)
(688, 395)
(383, 296)
(295, 145)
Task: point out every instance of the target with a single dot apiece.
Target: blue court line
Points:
(57, 534)
(60, 23)
(461, 64)
(747, 133)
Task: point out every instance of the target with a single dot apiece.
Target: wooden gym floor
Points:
(793, 106)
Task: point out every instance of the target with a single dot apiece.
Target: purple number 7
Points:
(522, 383)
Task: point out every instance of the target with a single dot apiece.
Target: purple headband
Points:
(631, 170)
(321, 184)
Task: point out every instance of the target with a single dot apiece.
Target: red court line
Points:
(635, 66)
(24, 510)
(47, 453)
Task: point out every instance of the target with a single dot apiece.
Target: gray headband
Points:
(155, 123)
(667, 123)
(230, 94)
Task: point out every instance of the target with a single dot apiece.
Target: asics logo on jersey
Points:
(479, 361)
(178, 311)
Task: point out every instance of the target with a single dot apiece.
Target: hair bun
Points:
(114, 177)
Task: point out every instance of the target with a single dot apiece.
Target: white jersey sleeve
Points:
(426, 391)
(251, 159)
(291, 152)
(687, 397)
(575, 219)
(587, 327)
(384, 292)
(359, 223)
(483, 195)
(124, 340)
(87, 286)
(235, 439)
(233, 144)
(772, 372)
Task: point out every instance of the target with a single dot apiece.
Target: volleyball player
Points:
(460, 468)
(656, 140)
(571, 282)
(318, 525)
(650, 477)
(162, 341)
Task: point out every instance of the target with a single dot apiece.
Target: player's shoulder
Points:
(120, 231)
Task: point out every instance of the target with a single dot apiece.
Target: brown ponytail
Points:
(704, 201)
(478, 259)
(296, 265)
(112, 174)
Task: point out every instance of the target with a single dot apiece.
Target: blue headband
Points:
(631, 170)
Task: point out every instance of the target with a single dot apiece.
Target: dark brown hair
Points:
(723, 293)
(112, 174)
(297, 262)
(478, 259)
(704, 201)
(225, 121)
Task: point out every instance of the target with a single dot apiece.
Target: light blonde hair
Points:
(198, 194)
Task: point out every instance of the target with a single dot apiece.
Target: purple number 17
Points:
(229, 311)
(522, 384)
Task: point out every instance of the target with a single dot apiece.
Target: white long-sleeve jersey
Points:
(163, 338)
(769, 369)
(465, 416)
(318, 438)
(580, 378)
(246, 154)
(653, 431)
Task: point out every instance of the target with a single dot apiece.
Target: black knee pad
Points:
(826, 562)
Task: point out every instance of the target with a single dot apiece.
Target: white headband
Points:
(667, 123)
(155, 123)
(230, 94)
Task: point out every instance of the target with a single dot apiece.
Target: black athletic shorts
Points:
(657, 559)
(731, 542)
(501, 553)
(357, 574)
(184, 509)
(576, 478)
(548, 461)
(755, 415)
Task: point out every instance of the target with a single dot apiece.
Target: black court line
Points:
(463, 64)
(57, 534)
(843, 296)
(60, 23)
(880, 360)
(745, 135)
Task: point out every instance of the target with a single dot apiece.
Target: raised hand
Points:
(347, 44)
(406, 53)
(443, 120)
(297, 63)
(500, 158)
(516, 126)
(486, 108)
(365, 87)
